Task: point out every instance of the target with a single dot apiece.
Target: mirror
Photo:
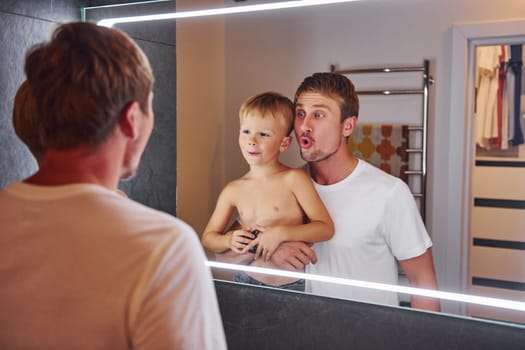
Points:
(223, 60)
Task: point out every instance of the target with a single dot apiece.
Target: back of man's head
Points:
(81, 80)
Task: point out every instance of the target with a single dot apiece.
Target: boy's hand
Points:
(240, 239)
(267, 241)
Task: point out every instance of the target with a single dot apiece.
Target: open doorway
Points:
(496, 247)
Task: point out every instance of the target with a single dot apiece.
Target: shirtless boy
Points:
(274, 203)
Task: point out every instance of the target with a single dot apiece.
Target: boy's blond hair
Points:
(269, 104)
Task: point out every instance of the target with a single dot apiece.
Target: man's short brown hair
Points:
(82, 79)
(335, 86)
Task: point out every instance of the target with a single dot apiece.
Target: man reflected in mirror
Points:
(375, 215)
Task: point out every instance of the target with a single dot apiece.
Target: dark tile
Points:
(155, 183)
(17, 35)
(49, 10)
(21, 28)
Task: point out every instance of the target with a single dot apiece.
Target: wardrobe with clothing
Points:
(498, 107)
(497, 213)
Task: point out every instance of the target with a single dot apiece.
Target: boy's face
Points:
(262, 139)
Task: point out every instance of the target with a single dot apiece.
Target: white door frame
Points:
(465, 38)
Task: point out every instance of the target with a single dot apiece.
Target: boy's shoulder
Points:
(296, 173)
(235, 184)
(293, 177)
(286, 173)
(232, 184)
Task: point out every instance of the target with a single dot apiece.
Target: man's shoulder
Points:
(371, 169)
(147, 213)
(141, 218)
(373, 174)
(153, 229)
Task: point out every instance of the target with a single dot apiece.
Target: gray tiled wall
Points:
(24, 23)
(155, 185)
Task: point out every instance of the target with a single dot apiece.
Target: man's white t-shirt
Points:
(81, 267)
(376, 221)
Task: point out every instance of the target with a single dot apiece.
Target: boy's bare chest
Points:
(268, 204)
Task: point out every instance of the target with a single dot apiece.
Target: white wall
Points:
(276, 50)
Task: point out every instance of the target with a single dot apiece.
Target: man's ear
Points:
(128, 120)
(285, 143)
(349, 125)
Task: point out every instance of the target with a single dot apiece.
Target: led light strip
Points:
(109, 22)
(471, 299)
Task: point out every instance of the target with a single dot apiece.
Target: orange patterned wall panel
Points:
(383, 145)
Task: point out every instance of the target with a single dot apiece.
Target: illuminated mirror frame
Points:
(461, 39)
(109, 22)
(465, 298)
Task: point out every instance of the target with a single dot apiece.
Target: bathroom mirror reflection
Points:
(223, 60)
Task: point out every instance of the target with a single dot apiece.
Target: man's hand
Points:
(294, 256)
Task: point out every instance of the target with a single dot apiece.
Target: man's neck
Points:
(78, 165)
(333, 169)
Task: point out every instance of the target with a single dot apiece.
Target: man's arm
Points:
(292, 256)
(421, 274)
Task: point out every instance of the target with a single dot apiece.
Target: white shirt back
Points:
(84, 268)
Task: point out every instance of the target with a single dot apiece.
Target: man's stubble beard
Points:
(318, 155)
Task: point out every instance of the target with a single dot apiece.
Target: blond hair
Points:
(269, 104)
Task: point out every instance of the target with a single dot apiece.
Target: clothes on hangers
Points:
(498, 96)
(487, 58)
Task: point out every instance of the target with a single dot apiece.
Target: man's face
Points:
(145, 123)
(318, 126)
